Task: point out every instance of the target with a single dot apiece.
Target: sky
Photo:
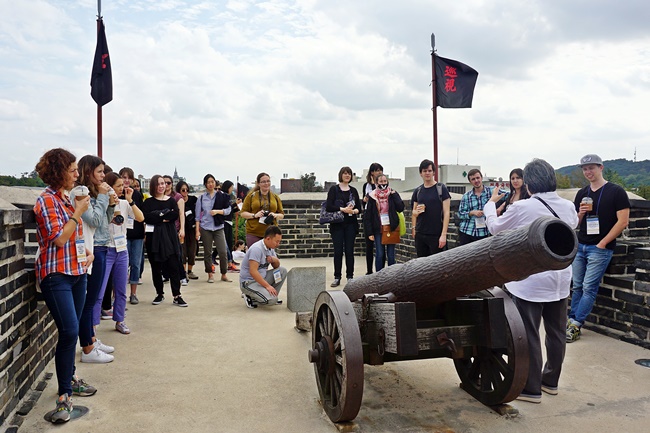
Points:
(287, 87)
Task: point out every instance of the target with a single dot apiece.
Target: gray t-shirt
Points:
(257, 252)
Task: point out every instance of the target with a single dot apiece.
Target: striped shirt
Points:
(53, 210)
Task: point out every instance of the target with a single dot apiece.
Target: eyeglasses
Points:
(265, 181)
(183, 190)
(168, 182)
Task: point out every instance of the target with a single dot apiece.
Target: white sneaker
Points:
(104, 347)
(184, 282)
(96, 356)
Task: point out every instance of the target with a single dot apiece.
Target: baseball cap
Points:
(591, 159)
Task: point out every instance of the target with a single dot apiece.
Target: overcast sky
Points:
(237, 87)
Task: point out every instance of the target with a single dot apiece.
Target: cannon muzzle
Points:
(512, 255)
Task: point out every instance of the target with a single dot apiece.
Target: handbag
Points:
(389, 237)
(329, 217)
(402, 223)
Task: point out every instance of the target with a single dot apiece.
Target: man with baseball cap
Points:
(603, 213)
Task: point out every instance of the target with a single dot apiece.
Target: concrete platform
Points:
(218, 366)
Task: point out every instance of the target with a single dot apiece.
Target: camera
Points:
(268, 219)
(118, 220)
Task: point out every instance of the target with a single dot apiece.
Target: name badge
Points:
(129, 222)
(480, 222)
(277, 276)
(593, 226)
(148, 228)
(120, 243)
(187, 212)
(385, 219)
(81, 251)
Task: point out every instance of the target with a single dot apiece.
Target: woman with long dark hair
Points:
(344, 198)
(91, 176)
(260, 209)
(161, 241)
(227, 188)
(61, 266)
(374, 170)
(191, 245)
(518, 190)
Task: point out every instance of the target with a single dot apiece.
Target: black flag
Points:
(455, 83)
(101, 80)
(242, 191)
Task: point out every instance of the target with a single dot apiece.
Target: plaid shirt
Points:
(52, 211)
(470, 202)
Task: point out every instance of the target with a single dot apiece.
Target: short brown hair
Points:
(53, 166)
(128, 171)
(153, 184)
(472, 172)
(345, 169)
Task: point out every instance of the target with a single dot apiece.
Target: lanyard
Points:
(599, 197)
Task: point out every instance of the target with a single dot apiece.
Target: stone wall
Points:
(27, 331)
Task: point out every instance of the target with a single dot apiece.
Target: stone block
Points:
(303, 287)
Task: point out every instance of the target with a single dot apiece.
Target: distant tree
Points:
(578, 179)
(24, 180)
(644, 191)
(308, 183)
(614, 177)
(563, 181)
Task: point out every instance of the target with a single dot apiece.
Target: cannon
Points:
(446, 305)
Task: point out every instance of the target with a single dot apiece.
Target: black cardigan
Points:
(371, 221)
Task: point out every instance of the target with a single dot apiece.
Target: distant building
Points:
(452, 175)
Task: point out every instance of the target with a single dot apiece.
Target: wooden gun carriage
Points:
(442, 306)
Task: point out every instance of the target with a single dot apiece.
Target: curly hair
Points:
(53, 167)
(87, 165)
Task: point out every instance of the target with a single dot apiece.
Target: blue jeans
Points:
(134, 247)
(379, 254)
(588, 269)
(64, 296)
(95, 279)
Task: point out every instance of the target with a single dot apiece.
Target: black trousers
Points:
(343, 237)
(554, 315)
(170, 265)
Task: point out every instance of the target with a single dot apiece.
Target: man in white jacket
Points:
(541, 296)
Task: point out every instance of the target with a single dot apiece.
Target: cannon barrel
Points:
(512, 255)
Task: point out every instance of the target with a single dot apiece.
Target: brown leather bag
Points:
(389, 237)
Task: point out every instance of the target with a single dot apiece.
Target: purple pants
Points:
(117, 264)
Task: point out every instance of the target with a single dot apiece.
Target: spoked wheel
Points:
(497, 376)
(337, 355)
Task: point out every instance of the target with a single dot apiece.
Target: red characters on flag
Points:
(104, 56)
(450, 81)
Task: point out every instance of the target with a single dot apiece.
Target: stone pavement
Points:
(218, 366)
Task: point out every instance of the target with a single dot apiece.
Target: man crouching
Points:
(258, 285)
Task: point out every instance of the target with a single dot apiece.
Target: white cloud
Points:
(292, 86)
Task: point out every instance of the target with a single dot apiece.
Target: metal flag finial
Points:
(433, 42)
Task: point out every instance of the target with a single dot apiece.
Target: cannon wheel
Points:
(497, 376)
(337, 355)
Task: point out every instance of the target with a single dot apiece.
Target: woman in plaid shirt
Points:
(61, 268)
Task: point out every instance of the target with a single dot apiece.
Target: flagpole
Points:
(434, 109)
(99, 107)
